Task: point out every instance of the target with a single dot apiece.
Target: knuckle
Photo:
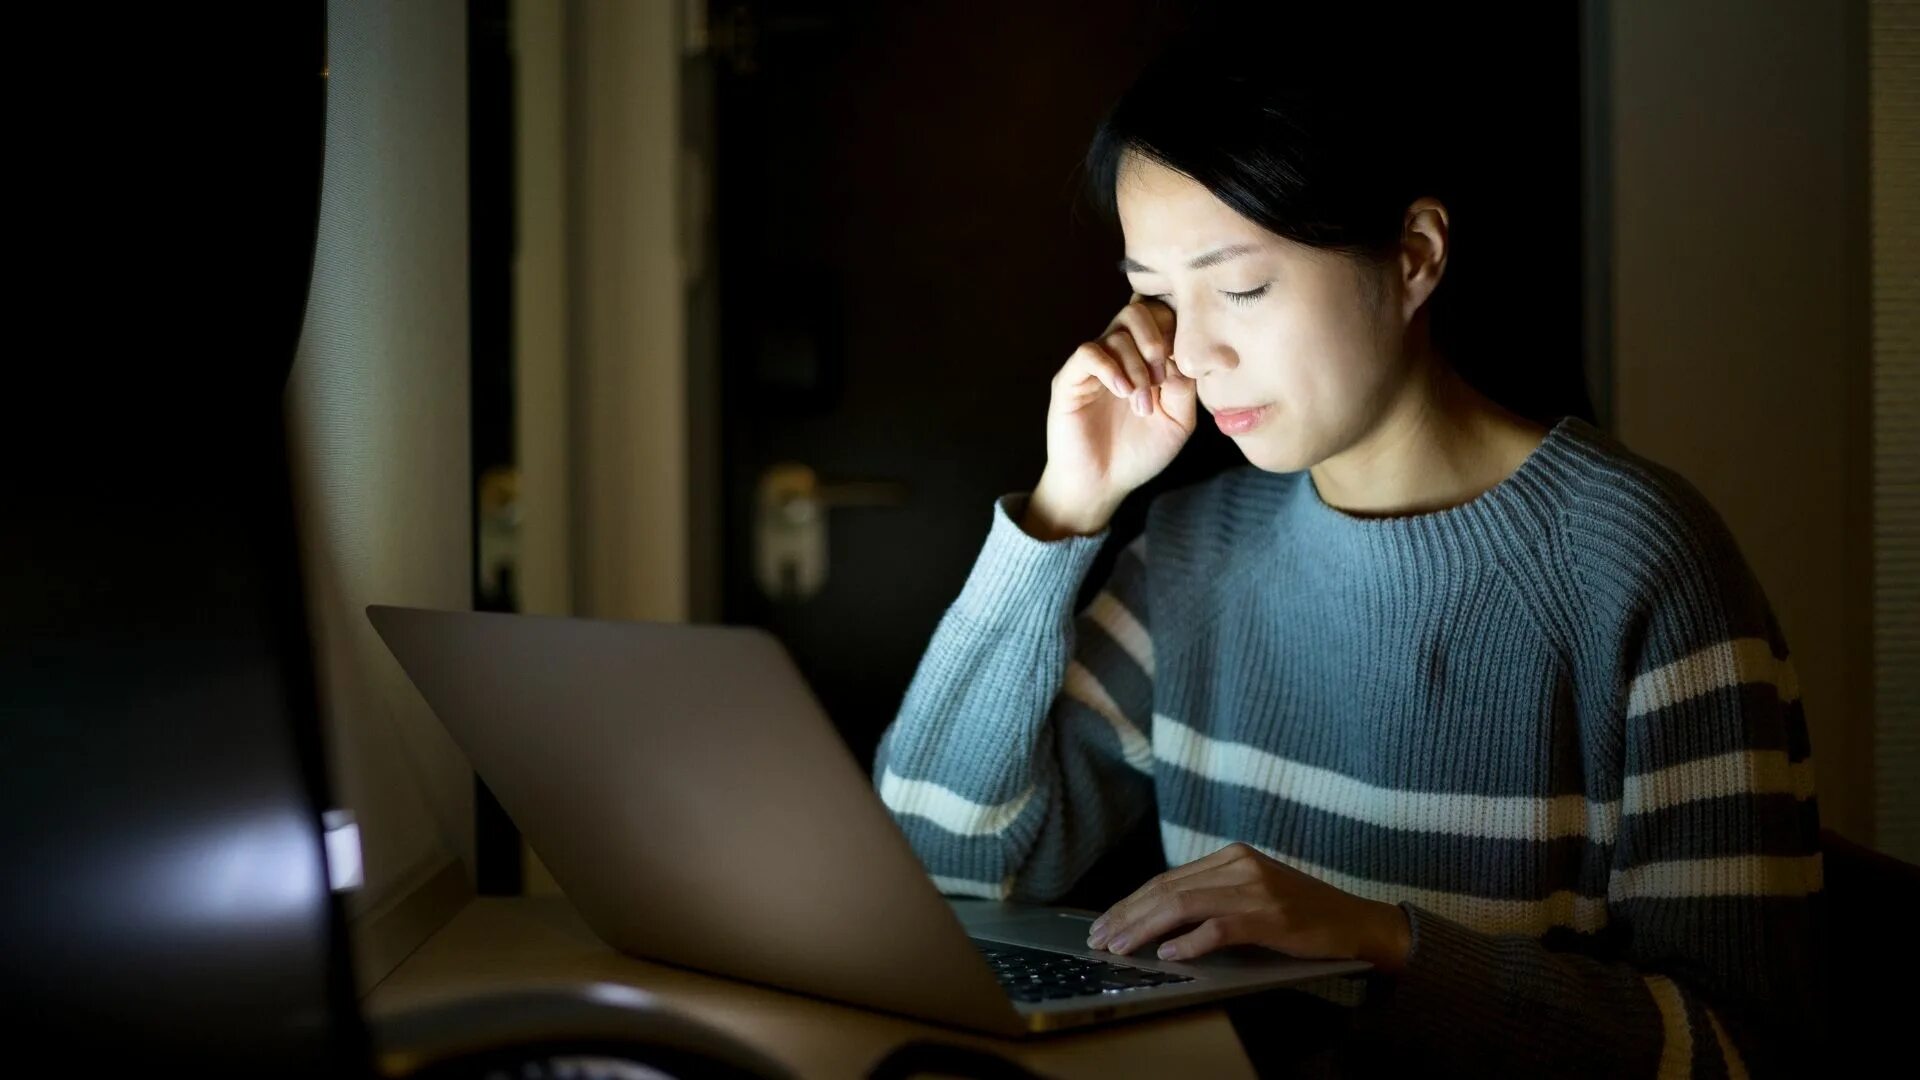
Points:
(1207, 935)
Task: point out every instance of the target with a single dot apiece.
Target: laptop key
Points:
(1033, 975)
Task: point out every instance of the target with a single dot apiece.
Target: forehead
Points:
(1168, 218)
(1165, 213)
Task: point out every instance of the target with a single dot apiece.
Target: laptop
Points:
(692, 799)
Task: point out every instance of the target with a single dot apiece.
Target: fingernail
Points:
(1094, 939)
(1142, 405)
(1167, 951)
(1119, 945)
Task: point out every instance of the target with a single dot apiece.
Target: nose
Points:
(1196, 352)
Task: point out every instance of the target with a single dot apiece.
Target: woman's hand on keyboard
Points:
(1240, 896)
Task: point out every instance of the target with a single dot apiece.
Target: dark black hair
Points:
(1323, 129)
(1296, 144)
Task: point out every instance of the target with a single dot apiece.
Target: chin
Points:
(1270, 455)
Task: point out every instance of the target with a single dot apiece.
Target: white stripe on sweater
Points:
(1730, 663)
(1492, 817)
(1486, 817)
(1736, 1068)
(1110, 615)
(1676, 1042)
(1748, 875)
(1728, 875)
(1737, 772)
(1081, 686)
(948, 808)
(955, 886)
(1487, 915)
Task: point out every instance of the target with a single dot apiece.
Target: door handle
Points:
(790, 526)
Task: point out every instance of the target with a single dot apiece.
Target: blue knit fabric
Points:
(1557, 724)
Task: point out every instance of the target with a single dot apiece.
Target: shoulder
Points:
(1634, 523)
(1644, 540)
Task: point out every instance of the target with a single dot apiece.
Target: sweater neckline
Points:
(1485, 516)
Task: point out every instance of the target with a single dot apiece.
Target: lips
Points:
(1238, 419)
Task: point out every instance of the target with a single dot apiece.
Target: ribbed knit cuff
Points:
(1020, 584)
(1447, 999)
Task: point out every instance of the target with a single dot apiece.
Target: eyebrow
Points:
(1211, 258)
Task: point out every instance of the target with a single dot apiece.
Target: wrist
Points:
(1049, 515)
(1388, 939)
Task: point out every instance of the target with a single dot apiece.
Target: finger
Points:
(1179, 397)
(1099, 931)
(1219, 873)
(1230, 853)
(1092, 361)
(1138, 320)
(1164, 317)
(1216, 933)
(1122, 346)
(1181, 906)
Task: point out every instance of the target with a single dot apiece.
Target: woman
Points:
(1492, 704)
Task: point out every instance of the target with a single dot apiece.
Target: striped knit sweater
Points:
(1556, 724)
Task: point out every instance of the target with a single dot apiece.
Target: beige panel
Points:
(628, 311)
(1740, 350)
(1894, 48)
(544, 570)
(377, 405)
(542, 398)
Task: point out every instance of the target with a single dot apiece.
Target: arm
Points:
(1021, 750)
(1715, 873)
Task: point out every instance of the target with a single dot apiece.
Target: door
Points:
(901, 272)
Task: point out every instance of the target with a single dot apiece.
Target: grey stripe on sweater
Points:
(1557, 724)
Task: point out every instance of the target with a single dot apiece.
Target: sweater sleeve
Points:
(1712, 901)
(1020, 751)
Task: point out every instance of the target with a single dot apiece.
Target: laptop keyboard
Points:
(1038, 975)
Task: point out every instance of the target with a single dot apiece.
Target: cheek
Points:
(1308, 356)
(1348, 346)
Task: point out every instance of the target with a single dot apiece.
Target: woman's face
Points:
(1312, 339)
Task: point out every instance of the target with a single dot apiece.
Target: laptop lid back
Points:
(694, 802)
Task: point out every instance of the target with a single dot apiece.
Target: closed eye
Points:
(1247, 297)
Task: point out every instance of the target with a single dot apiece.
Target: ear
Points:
(1423, 253)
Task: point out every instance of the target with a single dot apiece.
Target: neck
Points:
(1438, 444)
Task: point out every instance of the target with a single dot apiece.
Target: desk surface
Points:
(498, 942)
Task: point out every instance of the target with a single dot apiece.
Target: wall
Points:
(1739, 330)
(542, 399)
(1895, 147)
(377, 405)
(628, 313)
